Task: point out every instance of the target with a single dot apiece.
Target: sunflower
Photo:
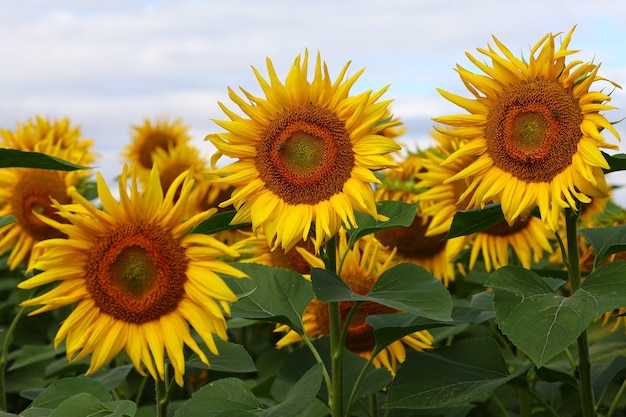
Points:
(58, 132)
(174, 161)
(255, 249)
(135, 272)
(535, 129)
(362, 267)
(25, 191)
(146, 138)
(305, 153)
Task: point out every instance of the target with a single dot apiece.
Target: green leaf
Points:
(232, 358)
(388, 328)
(399, 213)
(85, 404)
(228, 394)
(602, 375)
(466, 222)
(217, 223)
(272, 294)
(21, 159)
(605, 241)
(112, 378)
(7, 220)
(449, 376)
(30, 354)
(406, 287)
(301, 396)
(65, 388)
(617, 162)
(607, 286)
(534, 318)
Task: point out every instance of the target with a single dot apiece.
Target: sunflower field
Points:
(317, 266)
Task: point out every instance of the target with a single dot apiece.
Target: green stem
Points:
(336, 349)
(573, 267)
(142, 386)
(373, 405)
(5, 355)
(357, 383)
(544, 403)
(161, 395)
(318, 358)
(613, 407)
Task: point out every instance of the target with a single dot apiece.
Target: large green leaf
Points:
(398, 213)
(607, 286)
(605, 241)
(217, 223)
(85, 404)
(407, 287)
(534, 318)
(449, 376)
(232, 358)
(466, 222)
(388, 328)
(65, 388)
(301, 396)
(272, 294)
(30, 354)
(22, 159)
(112, 378)
(230, 394)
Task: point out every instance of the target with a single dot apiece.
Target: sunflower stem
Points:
(318, 358)
(336, 349)
(573, 268)
(5, 355)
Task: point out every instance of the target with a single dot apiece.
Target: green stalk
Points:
(336, 348)
(615, 402)
(164, 391)
(318, 359)
(573, 267)
(5, 355)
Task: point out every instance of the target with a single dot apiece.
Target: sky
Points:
(111, 64)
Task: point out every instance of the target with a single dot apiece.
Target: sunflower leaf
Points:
(466, 222)
(85, 404)
(607, 286)
(13, 158)
(605, 241)
(407, 287)
(398, 213)
(535, 319)
(450, 376)
(272, 294)
(217, 223)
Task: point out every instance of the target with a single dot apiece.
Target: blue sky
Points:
(108, 65)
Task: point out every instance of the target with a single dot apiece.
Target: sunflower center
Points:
(153, 141)
(305, 155)
(533, 130)
(360, 337)
(137, 273)
(411, 242)
(32, 195)
(291, 259)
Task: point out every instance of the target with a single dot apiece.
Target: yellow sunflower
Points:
(135, 273)
(26, 191)
(29, 135)
(535, 127)
(174, 161)
(160, 134)
(305, 153)
(363, 265)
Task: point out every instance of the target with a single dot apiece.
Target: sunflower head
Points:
(134, 271)
(305, 153)
(27, 193)
(534, 127)
(150, 136)
(42, 134)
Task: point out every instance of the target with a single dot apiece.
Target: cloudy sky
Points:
(109, 64)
